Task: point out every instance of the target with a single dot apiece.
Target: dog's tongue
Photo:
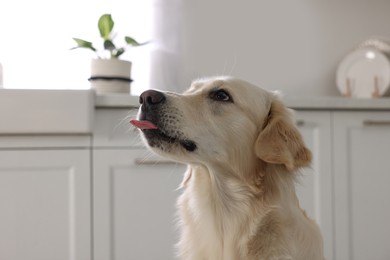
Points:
(143, 124)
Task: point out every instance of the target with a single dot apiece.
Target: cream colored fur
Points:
(239, 200)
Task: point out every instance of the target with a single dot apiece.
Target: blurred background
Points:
(293, 46)
(76, 180)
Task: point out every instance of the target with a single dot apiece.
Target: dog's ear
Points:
(280, 142)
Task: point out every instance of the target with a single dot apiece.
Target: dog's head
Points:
(223, 121)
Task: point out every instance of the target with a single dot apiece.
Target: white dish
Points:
(364, 73)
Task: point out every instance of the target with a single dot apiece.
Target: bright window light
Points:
(36, 37)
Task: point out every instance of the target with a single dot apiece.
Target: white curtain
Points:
(164, 57)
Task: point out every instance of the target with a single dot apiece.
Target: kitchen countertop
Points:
(299, 103)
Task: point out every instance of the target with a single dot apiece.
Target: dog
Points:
(243, 153)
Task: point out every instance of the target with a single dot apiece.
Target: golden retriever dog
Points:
(243, 153)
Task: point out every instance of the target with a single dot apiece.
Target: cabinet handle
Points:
(376, 123)
(300, 123)
(139, 161)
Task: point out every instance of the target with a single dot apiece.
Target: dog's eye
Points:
(220, 95)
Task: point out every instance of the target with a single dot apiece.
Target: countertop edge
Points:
(336, 103)
(298, 103)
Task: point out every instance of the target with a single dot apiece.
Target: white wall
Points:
(293, 46)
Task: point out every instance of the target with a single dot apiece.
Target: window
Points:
(36, 37)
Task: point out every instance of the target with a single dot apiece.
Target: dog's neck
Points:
(230, 193)
(226, 207)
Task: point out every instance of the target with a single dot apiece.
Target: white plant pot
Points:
(110, 76)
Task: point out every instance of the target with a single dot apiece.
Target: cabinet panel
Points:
(134, 205)
(112, 129)
(45, 205)
(314, 188)
(362, 149)
(52, 142)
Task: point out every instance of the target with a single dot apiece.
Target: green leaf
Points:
(118, 52)
(105, 25)
(109, 45)
(83, 44)
(131, 41)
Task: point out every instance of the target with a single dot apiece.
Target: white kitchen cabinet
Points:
(362, 185)
(44, 203)
(314, 188)
(135, 195)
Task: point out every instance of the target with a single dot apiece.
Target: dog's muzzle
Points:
(153, 126)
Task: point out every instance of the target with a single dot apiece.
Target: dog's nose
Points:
(151, 97)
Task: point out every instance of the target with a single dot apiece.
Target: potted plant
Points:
(108, 72)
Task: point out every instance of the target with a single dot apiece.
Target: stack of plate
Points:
(365, 72)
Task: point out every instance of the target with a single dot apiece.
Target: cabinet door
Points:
(362, 185)
(315, 183)
(134, 205)
(45, 204)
